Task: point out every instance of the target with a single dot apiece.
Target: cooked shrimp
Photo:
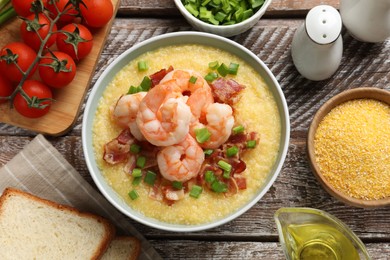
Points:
(199, 93)
(125, 112)
(126, 108)
(181, 162)
(163, 117)
(219, 121)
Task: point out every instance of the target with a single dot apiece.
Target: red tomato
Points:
(78, 44)
(22, 7)
(57, 72)
(69, 14)
(37, 89)
(6, 88)
(30, 36)
(22, 54)
(97, 13)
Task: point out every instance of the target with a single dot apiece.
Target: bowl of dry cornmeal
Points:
(348, 147)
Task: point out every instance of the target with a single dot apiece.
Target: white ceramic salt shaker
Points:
(317, 45)
(366, 20)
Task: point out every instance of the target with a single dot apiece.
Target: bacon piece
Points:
(226, 90)
(159, 75)
(125, 137)
(237, 138)
(238, 166)
(118, 149)
(241, 182)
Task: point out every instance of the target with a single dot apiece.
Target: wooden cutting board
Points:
(64, 111)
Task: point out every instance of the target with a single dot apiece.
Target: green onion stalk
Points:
(6, 12)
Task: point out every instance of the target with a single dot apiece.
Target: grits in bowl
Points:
(256, 108)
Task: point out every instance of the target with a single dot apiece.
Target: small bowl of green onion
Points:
(222, 17)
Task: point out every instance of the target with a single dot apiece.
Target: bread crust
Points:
(136, 243)
(109, 228)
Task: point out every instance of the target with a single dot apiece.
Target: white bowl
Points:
(223, 30)
(168, 40)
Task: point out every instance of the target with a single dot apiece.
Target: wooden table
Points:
(254, 234)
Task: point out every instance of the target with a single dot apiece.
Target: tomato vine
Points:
(39, 31)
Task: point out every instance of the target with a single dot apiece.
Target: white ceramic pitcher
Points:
(366, 20)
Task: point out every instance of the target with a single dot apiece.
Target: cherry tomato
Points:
(22, 54)
(6, 88)
(57, 69)
(77, 41)
(70, 11)
(38, 90)
(42, 25)
(97, 13)
(23, 7)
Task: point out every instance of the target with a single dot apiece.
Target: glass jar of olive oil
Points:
(313, 234)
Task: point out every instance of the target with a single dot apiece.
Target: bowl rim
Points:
(209, 26)
(185, 36)
(347, 95)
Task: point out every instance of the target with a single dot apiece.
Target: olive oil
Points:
(319, 241)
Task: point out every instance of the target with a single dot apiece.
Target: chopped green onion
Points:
(137, 172)
(142, 65)
(226, 174)
(233, 68)
(193, 79)
(256, 3)
(196, 191)
(192, 9)
(238, 129)
(246, 14)
(212, 20)
(232, 151)
(135, 148)
(133, 90)
(209, 176)
(205, 2)
(208, 152)
(224, 166)
(219, 187)
(213, 65)
(150, 178)
(251, 144)
(220, 16)
(222, 12)
(136, 181)
(202, 135)
(223, 70)
(177, 185)
(146, 84)
(211, 76)
(133, 194)
(141, 160)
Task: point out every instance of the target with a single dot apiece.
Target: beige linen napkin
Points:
(41, 170)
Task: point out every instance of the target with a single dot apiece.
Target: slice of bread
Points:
(123, 248)
(35, 228)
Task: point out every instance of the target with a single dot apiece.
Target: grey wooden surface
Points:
(253, 235)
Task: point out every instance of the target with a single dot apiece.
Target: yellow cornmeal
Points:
(257, 109)
(352, 148)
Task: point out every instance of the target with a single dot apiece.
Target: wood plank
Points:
(167, 8)
(184, 249)
(68, 99)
